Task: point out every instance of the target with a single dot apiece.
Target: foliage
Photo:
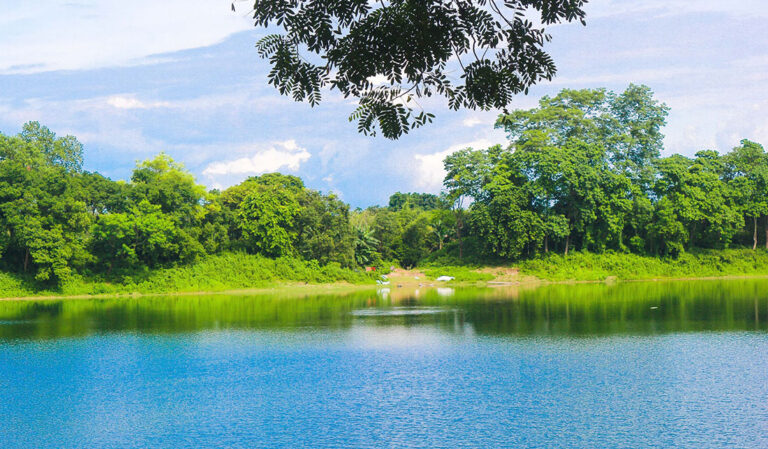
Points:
(226, 271)
(583, 171)
(346, 45)
(365, 247)
(425, 201)
(144, 235)
(266, 218)
(43, 217)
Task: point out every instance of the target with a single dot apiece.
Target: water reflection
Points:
(580, 309)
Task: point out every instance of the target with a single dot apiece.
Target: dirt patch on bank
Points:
(401, 276)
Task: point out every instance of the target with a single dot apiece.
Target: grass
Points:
(598, 267)
(460, 273)
(229, 271)
(233, 271)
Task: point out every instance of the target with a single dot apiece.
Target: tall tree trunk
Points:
(26, 259)
(766, 232)
(754, 234)
(546, 247)
(567, 243)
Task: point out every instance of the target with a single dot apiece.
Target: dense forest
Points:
(582, 172)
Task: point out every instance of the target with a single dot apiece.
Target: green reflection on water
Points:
(580, 309)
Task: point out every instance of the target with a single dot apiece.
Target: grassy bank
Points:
(214, 273)
(241, 271)
(621, 266)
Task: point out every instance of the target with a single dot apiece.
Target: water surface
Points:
(626, 365)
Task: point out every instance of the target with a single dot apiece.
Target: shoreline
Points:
(286, 288)
(341, 287)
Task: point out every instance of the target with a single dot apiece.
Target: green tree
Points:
(323, 231)
(42, 217)
(415, 240)
(635, 137)
(699, 197)
(366, 247)
(266, 218)
(144, 235)
(423, 201)
(167, 184)
(65, 152)
(747, 173)
(505, 225)
(388, 231)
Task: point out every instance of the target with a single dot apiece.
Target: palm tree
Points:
(365, 245)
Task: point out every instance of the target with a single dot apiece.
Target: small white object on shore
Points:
(445, 278)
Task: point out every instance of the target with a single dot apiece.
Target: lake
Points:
(672, 364)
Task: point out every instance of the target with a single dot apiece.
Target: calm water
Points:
(627, 365)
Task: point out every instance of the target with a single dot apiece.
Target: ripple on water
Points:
(400, 311)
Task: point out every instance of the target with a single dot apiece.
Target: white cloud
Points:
(131, 102)
(277, 156)
(470, 122)
(429, 167)
(53, 35)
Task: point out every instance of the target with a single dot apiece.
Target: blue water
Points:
(372, 383)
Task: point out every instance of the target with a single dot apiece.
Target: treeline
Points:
(583, 172)
(57, 219)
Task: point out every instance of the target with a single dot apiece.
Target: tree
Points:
(102, 195)
(365, 246)
(42, 217)
(415, 235)
(143, 235)
(165, 183)
(506, 226)
(423, 201)
(442, 223)
(388, 231)
(266, 218)
(346, 45)
(65, 152)
(747, 173)
(636, 138)
(698, 196)
(584, 151)
(323, 231)
(467, 173)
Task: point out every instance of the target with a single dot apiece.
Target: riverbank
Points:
(247, 274)
(217, 273)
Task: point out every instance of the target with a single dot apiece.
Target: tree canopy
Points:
(415, 46)
(584, 171)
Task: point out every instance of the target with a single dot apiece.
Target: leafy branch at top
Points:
(414, 45)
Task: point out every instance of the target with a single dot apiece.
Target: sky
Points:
(132, 79)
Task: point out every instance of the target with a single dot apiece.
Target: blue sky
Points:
(131, 79)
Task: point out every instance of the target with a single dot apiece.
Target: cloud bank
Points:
(275, 157)
(51, 35)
